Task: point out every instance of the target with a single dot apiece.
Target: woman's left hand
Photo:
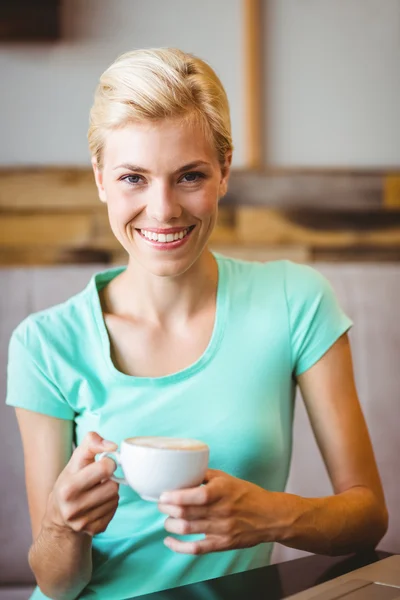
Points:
(232, 513)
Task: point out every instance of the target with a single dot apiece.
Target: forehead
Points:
(165, 142)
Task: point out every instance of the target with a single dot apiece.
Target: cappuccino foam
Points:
(167, 443)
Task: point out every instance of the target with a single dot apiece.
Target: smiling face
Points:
(161, 182)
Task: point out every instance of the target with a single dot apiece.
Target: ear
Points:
(225, 172)
(98, 176)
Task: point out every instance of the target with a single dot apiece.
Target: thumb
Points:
(85, 453)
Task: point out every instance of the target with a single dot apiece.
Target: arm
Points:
(356, 516)
(55, 556)
(64, 511)
(237, 514)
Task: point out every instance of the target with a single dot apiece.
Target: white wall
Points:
(47, 90)
(334, 82)
(332, 76)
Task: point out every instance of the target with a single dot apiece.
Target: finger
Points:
(188, 513)
(209, 544)
(101, 524)
(85, 521)
(182, 527)
(197, 496)
(97, 496)
(212, 474)
(93, 474)
(85, 453)
(102, 511)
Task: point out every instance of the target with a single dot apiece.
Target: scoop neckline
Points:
(99, 280)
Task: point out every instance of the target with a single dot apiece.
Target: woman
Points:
(182, 343)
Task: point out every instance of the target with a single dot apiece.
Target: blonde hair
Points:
(159, 83)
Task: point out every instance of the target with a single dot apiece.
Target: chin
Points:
(166, 267)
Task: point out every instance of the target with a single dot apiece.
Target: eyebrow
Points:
(138, 169)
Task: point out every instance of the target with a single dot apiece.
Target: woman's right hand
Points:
(84, 498)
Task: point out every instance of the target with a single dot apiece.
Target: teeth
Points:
(164, 237)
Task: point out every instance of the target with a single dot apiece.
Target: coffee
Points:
(167, 443)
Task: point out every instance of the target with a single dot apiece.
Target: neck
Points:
(138, 294)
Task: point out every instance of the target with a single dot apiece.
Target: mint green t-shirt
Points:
(273, 322)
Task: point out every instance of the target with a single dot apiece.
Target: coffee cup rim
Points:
(202, 445)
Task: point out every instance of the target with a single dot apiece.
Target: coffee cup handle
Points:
(116, 457)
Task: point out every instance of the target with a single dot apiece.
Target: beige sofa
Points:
(370, 295)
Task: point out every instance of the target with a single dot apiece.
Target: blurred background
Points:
(314, 89)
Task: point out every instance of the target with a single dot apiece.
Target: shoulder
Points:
(303, 282)
(297, 281)
(310, 299)
(316, 319)
(297, 278)
(68, 327)
(297, 288)
(54, 324)
(251, 271)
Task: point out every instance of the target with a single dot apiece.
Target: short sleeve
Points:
(29, 383)
(316, 319)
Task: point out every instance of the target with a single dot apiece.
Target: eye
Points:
(132, 179)
(193, 177)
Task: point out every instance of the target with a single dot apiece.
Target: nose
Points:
(163, 204)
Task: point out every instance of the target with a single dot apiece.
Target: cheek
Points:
(204, 206)
(122, 208)
(116, 223)
(119, 216)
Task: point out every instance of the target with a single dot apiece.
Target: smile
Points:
(166, 238)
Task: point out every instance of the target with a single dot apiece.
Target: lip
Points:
(165, 246)
(166, 231)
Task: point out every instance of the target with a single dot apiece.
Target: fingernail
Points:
(165, 498)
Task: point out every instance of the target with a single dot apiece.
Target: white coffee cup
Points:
(153, 465)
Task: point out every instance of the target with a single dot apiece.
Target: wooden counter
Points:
(53, 216)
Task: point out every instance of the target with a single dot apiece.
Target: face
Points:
(161, 182)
